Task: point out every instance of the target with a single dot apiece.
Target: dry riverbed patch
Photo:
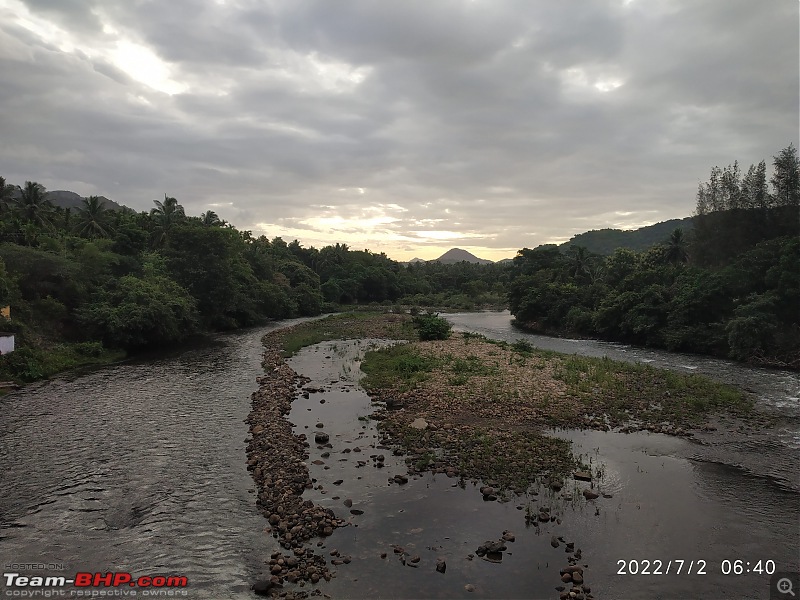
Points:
(467, 407)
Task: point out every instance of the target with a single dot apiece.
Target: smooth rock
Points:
(262, 587)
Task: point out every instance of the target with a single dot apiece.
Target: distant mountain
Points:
(66, 199)
(605, 241)
(456, 255)
(416, 260)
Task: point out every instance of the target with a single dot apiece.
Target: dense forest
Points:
(730, 287)
(83, 282)
(94, 283)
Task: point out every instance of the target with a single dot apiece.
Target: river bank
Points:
(543, 491)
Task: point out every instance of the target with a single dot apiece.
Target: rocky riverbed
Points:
(448, 447)
(278, 459)
(275, 457)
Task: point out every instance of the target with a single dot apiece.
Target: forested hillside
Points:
(731, 287)
(606, 241)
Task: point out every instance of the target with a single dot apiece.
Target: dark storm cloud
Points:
(519, 121)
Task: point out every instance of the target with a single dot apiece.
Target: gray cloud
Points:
(522, 122)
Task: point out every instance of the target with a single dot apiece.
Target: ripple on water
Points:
(139, 467)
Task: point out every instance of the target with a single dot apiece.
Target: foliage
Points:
(30, 363)
(607, 241)
(726, 283)
(138, 312)
(431, 326)
(731, 288)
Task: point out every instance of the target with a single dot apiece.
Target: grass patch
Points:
(512, 460)
(345, 326)
(647, 393)
(515, 460)
(465, 368)
(396, 367)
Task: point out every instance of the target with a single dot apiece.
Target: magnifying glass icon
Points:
(784, 586)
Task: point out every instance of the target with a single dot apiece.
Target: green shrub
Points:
(24, 364)
(431, 326)
(522, 346)
(92, 349)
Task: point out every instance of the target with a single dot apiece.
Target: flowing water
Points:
(772, 454)
(140, 467)
(137, 467)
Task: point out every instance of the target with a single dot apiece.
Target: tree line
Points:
(730, 287)
(93, 279)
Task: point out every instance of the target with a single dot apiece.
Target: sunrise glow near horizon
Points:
(407, 129)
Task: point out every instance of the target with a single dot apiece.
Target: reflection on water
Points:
(664, 504)
(139, 467)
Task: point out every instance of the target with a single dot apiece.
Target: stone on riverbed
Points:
(419, 423)
(321, 437)
(262, 587)
(582, 475)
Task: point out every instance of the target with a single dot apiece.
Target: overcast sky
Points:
(404, 127)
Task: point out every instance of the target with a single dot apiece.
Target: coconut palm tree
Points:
(93, 219)
(165, 215)
(675, 251)
(210, 219)
(579, 262)
(33, 206)
(6, 195)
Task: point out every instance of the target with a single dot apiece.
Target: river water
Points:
(141, 467)
(137, 467)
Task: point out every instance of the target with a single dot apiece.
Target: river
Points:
(137, 467)
(140, 467)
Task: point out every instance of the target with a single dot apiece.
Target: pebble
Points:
(275, 458)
